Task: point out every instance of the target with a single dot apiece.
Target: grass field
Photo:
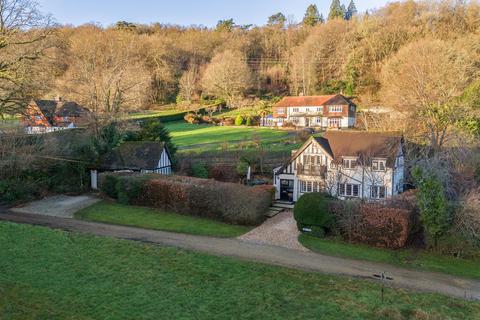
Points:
(208, 137)
(49, 274)
(405, 258)
(114, 213)
(153, 114)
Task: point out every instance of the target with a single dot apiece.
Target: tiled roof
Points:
(134, 155)
(304, 101)
(362, 144)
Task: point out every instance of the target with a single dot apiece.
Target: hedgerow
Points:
(229, 202)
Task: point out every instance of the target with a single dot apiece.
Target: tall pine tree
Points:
(336, 10)
(312, 16)
(351, 10)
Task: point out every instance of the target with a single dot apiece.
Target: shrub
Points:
(238, 120)
(130, 188)
(191, 118)
(225, 173)
(199, 171)
(249, 122)
(228, 202)
(434, 211)
(467, 217)
(372, 223)
(312, 209)
(382, 226)
(107, 184)
(268, 188)
(228, 122)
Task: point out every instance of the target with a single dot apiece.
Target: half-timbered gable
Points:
(344, 164)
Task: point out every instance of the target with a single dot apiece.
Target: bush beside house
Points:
(227, 202)
(312, 212)
(375, 224)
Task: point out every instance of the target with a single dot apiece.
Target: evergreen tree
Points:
(312, 16)
(433, 205)
(225, 25)
(277, 19)
(152, 130)
(322, 19)
(344, 11)
(336, 10)
(351, 10)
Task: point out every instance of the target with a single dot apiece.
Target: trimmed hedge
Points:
(228, 202)
(372, 223)
(312, 211)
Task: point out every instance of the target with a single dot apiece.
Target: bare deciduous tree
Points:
(105, 72)
(422, 81)
(228, 77)
(24, 35)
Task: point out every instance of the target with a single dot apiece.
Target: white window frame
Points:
(319, 109)
(281, 111)
(349, 163)
(379, 165)
(318, 120)
(335, 108)
(309, 186)
(348, 190)
(376, 192)
(295, 109)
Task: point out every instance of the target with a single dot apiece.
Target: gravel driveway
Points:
(280, 231)
(58, 206)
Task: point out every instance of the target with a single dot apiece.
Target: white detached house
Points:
(345, 164)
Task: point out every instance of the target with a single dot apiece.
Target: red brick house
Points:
(325, 112)
(53, 115)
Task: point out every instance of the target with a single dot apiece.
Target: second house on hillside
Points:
(346, 165)
(323, 112)
(135, 156)
(43, 116)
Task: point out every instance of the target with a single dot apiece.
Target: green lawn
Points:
(154, 114)
(185, 134)
(405, 258)
(114, 213)
(46, 274)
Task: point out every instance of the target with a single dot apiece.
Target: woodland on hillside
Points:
(404, 56)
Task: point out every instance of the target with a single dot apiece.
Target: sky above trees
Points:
(185, 12)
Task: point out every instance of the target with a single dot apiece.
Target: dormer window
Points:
(350, 163)
(281, 111)
(379, 165)
(319, 109)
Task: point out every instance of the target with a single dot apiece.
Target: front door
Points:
(286, 190)
(307, 122)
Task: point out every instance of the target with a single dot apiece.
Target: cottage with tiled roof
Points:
(354, 164)
(135, 156)
(141, 156)
(325, 112)
(44, 116)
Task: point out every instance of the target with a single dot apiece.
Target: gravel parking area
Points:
(58, 206)
(280, 231)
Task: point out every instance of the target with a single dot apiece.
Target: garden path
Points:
(61, 206)
(281, 230)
